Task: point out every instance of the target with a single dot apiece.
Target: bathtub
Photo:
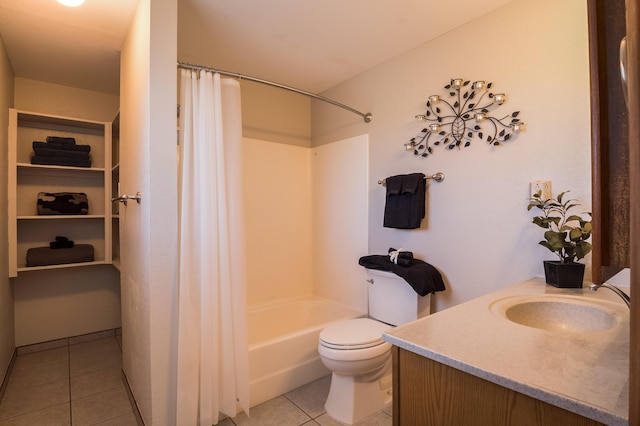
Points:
(283, 344)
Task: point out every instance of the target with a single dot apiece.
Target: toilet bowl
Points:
(359, 359)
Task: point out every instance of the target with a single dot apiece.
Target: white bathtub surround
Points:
(213, 374)
(283, 342)
(585, 372)
(306, 226)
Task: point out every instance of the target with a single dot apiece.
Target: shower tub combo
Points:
(283, 344)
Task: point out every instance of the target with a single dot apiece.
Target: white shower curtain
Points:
(213, 374)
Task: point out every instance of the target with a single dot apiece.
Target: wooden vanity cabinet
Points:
(426, 392)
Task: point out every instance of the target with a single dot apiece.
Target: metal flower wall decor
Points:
(465, 114)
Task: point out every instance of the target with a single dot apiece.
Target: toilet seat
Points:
(359, 333)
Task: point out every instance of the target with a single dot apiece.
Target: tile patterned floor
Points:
(80, 383)
(75, 383)
(302, 406)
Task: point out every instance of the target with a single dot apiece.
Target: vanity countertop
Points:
(585, 373)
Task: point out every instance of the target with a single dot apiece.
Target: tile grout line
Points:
(299, 408)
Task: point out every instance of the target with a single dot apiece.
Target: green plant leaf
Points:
(575, 234)
(565, 234)
(582, 249)
(555, 239)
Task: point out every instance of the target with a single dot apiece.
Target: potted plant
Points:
(566, 235)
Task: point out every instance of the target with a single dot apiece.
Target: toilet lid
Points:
(356, 333)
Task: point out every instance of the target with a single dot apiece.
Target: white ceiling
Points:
(77, 47)
(309, 44)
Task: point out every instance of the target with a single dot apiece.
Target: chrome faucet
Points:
(615, 289)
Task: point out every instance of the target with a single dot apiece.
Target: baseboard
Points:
(66, 341)
(132, 400)
(7, 374)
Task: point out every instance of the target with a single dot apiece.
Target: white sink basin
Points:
(560, 313)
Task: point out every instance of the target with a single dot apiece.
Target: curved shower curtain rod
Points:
(366, 116)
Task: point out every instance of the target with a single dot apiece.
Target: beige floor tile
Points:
(388, 410)
(100, 407)
(34, 399)
(36, 359)
(37, 375)
(126, 420)
(276, 412)
(92, 347)
(378, 419)
(325, 420)
(95, 382)
(39, 347)
(87, 360)
(39, 368)
(312, 397)
(58, 415)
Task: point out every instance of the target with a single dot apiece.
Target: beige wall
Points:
(134, 143)
(65, 302)
(55, 99)
(478, 231)
(148, 231)
(276, 115)
(54, 304)
(7, 341)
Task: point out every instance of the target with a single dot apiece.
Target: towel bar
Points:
(438, 177)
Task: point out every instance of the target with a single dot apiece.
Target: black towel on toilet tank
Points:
(421, 276)
(405, 202)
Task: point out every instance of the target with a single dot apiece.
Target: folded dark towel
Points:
(52, 152)
(60, 161)
(42, 256)
(61, 242)
(405, 201)
(400, 258)
(56, 203)
(61, 139)
(62, 146)
(421, 276)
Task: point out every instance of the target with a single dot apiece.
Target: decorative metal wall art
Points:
(454, 122)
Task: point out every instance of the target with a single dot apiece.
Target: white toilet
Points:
(354, 351)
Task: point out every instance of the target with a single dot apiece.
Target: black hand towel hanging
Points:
(405, 201)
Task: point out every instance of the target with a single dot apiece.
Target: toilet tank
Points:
(392, 300)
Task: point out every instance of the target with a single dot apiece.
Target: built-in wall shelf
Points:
(115, 192)
(61, 266)
(59, 168)
(61, 217)
(26, 227)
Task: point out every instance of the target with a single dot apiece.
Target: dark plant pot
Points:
(563, 275)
